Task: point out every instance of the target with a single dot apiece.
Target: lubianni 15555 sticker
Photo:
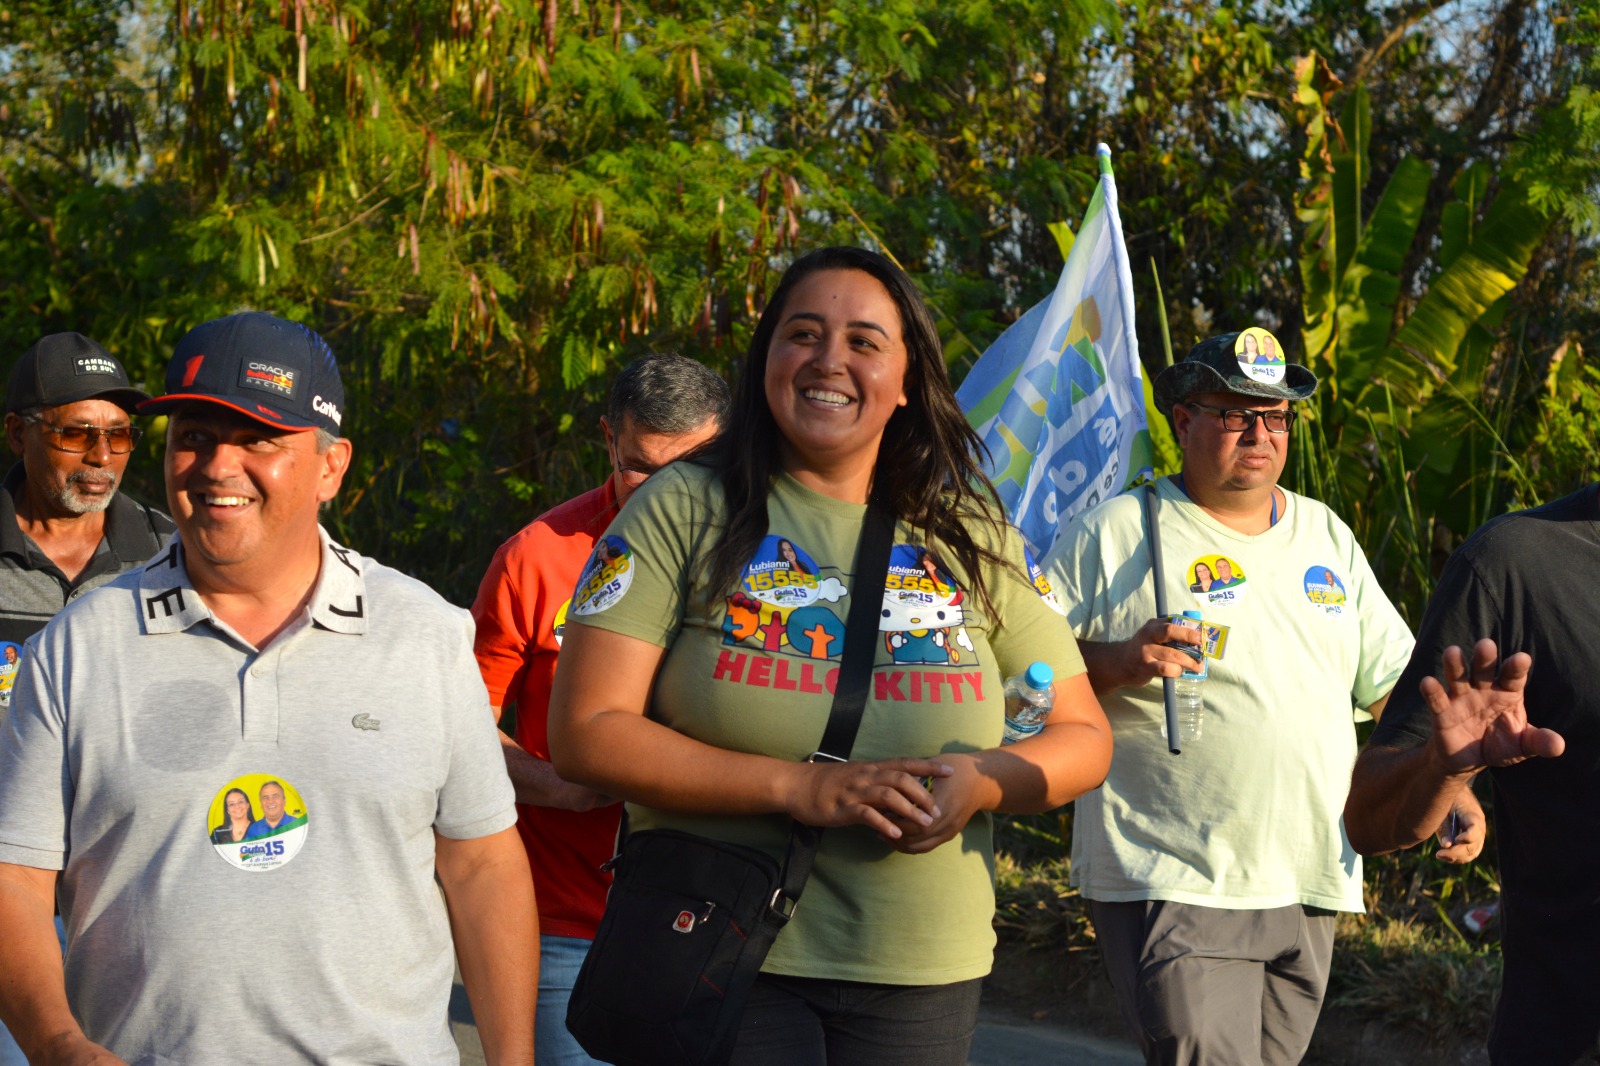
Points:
(1325, 590)
(924, 611)
(257, 822)
(782, 603)
(1041, 583)
(605, 578)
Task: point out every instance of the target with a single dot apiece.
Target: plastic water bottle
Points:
(1029, 697)
(1191, 703)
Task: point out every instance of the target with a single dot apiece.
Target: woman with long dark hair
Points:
(696, 687)
(237, 814)
(787, 553)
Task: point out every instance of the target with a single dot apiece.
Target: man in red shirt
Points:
(661, 408)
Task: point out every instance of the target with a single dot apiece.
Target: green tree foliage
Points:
(489, 205)
(1411, 305)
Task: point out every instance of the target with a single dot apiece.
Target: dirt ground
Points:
(1069, 988)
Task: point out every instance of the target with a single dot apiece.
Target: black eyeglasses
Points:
(120, 439)
(1239, 419)
(633, 477)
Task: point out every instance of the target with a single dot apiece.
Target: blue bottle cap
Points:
(1039, 676)
(1192, 614)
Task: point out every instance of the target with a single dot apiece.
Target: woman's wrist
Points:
(975, 780)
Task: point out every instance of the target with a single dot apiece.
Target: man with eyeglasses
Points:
(1213, 876)
(64, 528)
(661, 408)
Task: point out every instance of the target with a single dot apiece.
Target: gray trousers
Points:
(1202, 986)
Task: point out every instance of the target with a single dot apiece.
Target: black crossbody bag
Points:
(689, 920)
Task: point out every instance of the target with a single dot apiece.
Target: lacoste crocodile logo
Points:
(364, 721)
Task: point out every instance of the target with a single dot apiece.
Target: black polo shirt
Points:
(33, 589)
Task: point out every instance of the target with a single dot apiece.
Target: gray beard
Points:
(69, 500)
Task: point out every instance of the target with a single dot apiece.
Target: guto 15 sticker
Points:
(257, 822)
(1216, 580)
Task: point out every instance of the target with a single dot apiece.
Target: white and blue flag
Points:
(1059, 398)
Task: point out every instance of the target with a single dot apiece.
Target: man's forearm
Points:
(536, 782)
(1106, 665)
(33, 995)
(494, 920)
(1398, 798)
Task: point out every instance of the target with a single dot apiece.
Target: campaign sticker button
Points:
(257, 822)
(1325, 590)
(1216, 580)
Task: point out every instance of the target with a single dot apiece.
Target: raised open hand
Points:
(1479, 719)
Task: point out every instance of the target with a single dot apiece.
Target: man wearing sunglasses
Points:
(1214, 876)
(64, 528)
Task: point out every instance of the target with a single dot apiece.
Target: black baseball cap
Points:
(273, 370)
(1250, 362)
(64, 368)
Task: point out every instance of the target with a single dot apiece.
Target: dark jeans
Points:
(804, 1021)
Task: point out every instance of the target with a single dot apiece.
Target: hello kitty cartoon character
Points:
(923, 618)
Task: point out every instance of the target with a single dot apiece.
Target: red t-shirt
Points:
(520, 610)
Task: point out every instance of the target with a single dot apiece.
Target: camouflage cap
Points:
(1250, 362)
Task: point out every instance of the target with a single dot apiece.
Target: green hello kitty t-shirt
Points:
(753, 670)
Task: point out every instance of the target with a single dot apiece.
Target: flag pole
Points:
(1169, 686)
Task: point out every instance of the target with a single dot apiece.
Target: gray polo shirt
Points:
(197, 937)
(33, 589)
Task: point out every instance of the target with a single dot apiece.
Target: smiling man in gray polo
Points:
(256, 657)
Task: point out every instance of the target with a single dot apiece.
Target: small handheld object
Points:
(1190, 703)
(1029, 697)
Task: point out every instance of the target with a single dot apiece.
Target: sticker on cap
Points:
(257, 822)
(269, 377)
(1260, 355)
(1216, 580)
(1325, 590)
(605, 578)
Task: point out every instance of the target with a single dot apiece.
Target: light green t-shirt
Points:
(753, 671)
(1250, 815)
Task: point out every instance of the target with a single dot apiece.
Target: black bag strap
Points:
(849, 695)
(860, 637)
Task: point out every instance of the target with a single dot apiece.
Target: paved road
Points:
(1001, 1041)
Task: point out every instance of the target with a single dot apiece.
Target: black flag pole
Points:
(1169, 686)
